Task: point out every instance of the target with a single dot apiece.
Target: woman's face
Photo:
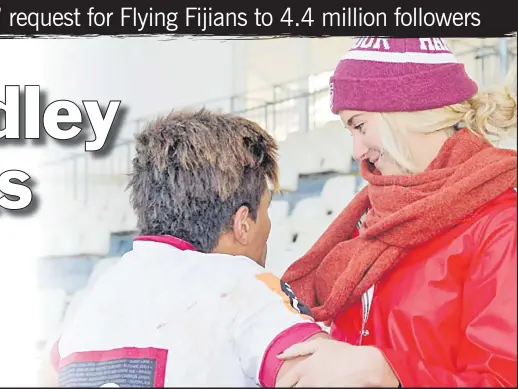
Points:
(364, 128)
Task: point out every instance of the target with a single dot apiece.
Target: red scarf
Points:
(405, 211)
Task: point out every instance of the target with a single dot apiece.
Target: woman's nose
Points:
(359, 149)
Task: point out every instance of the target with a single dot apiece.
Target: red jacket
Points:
(446, 315)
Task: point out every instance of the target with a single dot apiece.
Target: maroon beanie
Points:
(396, 74)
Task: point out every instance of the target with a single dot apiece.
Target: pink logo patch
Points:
(124, 367)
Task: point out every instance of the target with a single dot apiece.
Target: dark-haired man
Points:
(191, 304)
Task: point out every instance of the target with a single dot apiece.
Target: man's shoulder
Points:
(230, 265)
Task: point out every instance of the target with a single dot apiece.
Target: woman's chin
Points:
(388, 170)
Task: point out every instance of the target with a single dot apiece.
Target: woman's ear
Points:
(241, 225)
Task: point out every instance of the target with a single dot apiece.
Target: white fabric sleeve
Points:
(266, 307)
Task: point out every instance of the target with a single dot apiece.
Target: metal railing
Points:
(277, 109)
(79, 174)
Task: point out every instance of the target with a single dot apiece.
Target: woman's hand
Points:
(337, 364)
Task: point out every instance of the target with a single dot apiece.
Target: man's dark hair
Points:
(194, 169)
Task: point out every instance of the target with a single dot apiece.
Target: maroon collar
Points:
(167, 239)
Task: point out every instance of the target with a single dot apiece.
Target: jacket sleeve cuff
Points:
(271, 365)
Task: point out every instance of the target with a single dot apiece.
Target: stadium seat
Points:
(56, 211)
(281, 254)
(288, 174)
(338, 192)
(307, 210)
(278, 211)
(308, 233)
(60, 240)
(303, 153)
(281, 235)
(94, 238)
(334, 144)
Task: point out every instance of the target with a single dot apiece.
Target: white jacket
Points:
(165, 315)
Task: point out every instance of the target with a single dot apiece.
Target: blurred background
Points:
(81, 221)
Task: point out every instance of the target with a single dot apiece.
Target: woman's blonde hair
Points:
(490, 114)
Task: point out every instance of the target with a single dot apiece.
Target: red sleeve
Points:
(271, 364)
(487, 355)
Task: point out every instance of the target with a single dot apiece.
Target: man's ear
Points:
(241, 225)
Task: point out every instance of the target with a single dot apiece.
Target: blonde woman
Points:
(417, 275)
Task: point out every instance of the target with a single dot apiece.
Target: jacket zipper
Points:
(366, 305)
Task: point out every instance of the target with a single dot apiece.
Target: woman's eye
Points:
(359, 128)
